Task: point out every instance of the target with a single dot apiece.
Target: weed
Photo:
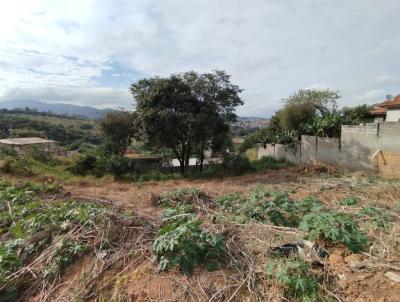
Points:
(231, 202)
(334, 227)
(269, 207)
(186, 245)
(309, 204)
(295, 276)
(349, 201)
(181, 196)
(380, 217)
(27, 224)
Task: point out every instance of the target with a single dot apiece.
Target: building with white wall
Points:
(387, 111)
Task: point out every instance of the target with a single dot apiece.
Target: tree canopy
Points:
(186, 112)
(302, 106)
(118, 127)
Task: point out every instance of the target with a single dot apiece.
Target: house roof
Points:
(25, 141)
(379, 110)
(382, 108)
(392, 103)
(395, 102)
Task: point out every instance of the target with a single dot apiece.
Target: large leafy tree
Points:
(185, 113)
(303, 106)
(118, 127)
(215, 92)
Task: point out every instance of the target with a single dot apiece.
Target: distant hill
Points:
(58, 108)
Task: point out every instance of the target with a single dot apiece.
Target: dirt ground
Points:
(355, 284)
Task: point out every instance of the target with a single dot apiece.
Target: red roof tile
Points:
(392, 103)
(378, 110)
(395, 102)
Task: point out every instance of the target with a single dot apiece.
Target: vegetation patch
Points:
(269, 207)
(349, 201)
(333, 226)
(183, 243)
(296, 278)
(40, 238)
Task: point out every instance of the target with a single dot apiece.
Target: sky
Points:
(88, 52)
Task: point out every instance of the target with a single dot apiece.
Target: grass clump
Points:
(296, 278)
(349, 201)
(334, 227)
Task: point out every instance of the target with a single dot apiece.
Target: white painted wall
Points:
(393, 115)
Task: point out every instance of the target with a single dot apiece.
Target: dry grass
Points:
(128, 272)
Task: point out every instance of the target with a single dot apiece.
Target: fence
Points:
(374, 147)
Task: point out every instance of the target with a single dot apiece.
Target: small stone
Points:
(393, 276)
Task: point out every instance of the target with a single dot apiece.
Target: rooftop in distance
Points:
(25, 141)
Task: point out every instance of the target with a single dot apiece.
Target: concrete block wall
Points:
(355, 149)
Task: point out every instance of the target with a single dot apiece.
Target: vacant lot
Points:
(296, 234)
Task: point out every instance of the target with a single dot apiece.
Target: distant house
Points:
(21, 145)
(387, 111)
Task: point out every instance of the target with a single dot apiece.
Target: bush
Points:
(295, 276)
(4, 152)
(20, 166)
(84, 165)
(184, 244)
(334, 227)
(116, 165)
(236, 164)
(39, 154)
(269, 162)
(100, 165)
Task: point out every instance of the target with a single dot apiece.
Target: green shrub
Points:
(84, 165)
(116, 165)
(309, 204)
(4, 152)
(236, 164)
(334, 227)
(180, 212)
(20, 166)
(271, 207)
(186, 245)
(296, 277)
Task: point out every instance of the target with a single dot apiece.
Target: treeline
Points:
(30, 111)
(308, 112)
(16, 125)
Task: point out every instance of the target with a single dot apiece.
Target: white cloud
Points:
(271, 48)
(372, 95)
